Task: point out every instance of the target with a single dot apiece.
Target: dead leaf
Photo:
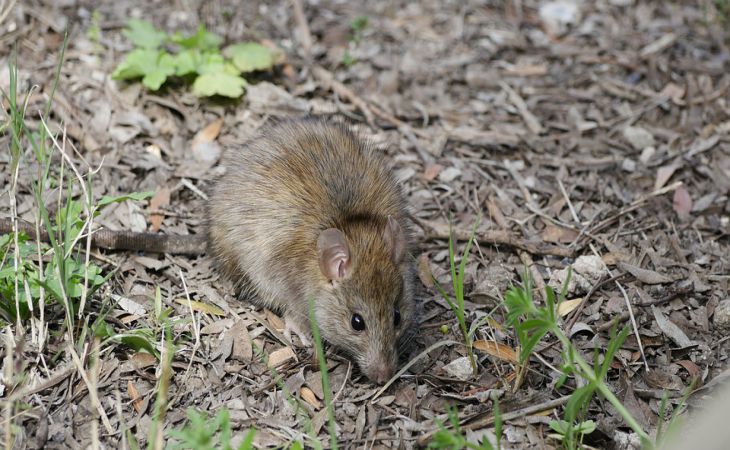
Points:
(274, 320)
(134, 395)
(691, 368)
(644, 275)
(663, 174)
(526, 70)
(613, 258)
(565, 307)
(424, 271)
(682, 202)
(670, 329)
(281, 356)
(142, 360)
(309, 397)
(432, 171)
(673, 91)
(160, 199)
(204, 148)
(498, 350)
(242, 349)
(557, 234)
(201, 307)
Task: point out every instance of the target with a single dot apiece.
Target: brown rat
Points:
(307, 210)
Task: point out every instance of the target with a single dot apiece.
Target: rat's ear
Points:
(395, 240)
(333, 254)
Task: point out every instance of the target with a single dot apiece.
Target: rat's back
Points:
(282, 189)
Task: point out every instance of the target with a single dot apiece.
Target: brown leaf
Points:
(242, 349)
(670, 329)
(309, 397)
(142, 360)
(204, 148)
(682, 201)
(498, 350)
(663, 174)
(160, 199)
(557, 234)
(691, 368)
(432, 172)
(424, 271)
(274, 320)
(134, 395)
(281, 356)
(565, 307)
(644, 275)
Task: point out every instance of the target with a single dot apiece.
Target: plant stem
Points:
(588, 373)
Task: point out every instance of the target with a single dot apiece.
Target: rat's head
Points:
(366, 302)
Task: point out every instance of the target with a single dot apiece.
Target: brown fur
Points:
(280, 191)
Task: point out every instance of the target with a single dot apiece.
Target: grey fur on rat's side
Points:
(308, 210)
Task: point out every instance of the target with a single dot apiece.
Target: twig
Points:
(92, 392)
(304, 35)
(404, 368)
(436, 230)
(634, 206)
(193, 244)
(328, 80)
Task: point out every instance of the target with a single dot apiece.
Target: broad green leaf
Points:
(137, 63)
(202, 39)
(105, 200)
(143, 34)
(186, 62)
(219, 83)
(165, 67)
(250, 56)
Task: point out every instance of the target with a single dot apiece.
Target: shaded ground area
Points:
(607, 138)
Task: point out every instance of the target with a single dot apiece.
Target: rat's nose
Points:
(381, 373)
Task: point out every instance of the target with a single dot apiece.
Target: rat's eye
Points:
(396, 317)
(357, 322)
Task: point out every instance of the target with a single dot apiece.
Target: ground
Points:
(602, 142)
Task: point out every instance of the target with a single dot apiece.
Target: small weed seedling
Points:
(457, 303)
(357, 27)
(532, 323)
(202, 433)
(454, 439)
(158, 57)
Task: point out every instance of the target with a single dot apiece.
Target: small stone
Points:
(638, 137)
(647, 154)
(459, 368)
(721, 319)
(449, 174)
(559, 16)
(628, 165)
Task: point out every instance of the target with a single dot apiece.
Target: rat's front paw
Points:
(293, 325)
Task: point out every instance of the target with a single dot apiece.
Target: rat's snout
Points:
(380, 372)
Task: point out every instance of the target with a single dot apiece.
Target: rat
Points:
(308, 211)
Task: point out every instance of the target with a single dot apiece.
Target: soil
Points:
(602, 142)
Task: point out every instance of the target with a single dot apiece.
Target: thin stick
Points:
(304, 35)
(91, 388)
(436, 230)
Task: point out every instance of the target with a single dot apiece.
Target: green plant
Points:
(531, 323)
(723, 10)
(457, 303)
(157, 57)
(202, 433)
(325, 376)
(453, 438)
(357, 28)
